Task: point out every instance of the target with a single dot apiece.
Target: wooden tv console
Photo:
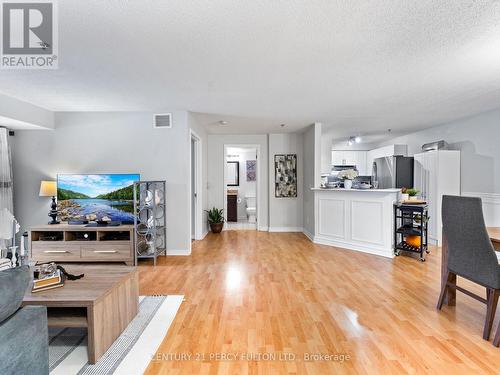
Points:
(80, 243)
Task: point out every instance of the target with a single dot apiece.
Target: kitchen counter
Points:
(355, 219)
(358, 190)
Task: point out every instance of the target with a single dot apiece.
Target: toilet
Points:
(251, 204)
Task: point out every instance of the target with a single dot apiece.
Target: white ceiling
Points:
(357, 66)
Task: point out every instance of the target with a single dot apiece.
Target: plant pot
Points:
(413, 198)
(347, 184)
(216, 227)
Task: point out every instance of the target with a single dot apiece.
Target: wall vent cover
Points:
(163, 121)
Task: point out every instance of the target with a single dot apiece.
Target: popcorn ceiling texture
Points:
(363, 65)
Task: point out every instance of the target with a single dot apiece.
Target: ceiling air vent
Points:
(163, 121)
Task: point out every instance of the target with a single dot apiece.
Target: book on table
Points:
(54, 280)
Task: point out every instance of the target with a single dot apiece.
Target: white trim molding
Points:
(308, 235)
(285, 229)
(491, 207)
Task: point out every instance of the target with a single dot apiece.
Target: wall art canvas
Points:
(251, 170)
(285, 183)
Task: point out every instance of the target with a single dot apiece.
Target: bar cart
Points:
(411, 223)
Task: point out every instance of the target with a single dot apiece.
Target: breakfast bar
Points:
(360, 220)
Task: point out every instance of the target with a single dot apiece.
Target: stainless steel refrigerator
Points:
(393, 172)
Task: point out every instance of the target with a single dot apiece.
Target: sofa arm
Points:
(24, 342)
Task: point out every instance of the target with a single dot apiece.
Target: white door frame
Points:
(224, 187)
(198, 220)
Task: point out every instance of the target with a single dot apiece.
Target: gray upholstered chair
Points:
(470, 253)
(24, 341)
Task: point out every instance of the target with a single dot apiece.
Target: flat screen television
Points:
(96, 197)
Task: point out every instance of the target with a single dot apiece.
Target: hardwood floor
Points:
(271, 293)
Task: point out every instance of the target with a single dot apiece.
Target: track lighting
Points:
(353, 139)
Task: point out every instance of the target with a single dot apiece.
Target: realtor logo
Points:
(29, 35)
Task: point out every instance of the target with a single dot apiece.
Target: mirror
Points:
(233, 173)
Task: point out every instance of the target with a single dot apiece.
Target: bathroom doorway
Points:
(241, 186)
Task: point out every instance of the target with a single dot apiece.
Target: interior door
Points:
(193, 189)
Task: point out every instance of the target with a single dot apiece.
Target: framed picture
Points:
(251, 170)
(285, 180)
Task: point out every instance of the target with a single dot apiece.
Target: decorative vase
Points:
(216, 227)
(405, 197)
(347, 184)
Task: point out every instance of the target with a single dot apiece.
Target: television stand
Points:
(82, 243)
(110, 224)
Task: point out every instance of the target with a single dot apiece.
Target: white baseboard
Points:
(491, 207)
(347, 246)
(203, 235)
(386, 253)
(308, 234)
(285, 229)
(263, 229)
(175, 252)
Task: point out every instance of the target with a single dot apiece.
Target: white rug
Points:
(130, 354)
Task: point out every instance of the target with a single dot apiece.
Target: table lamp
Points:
(49, 189)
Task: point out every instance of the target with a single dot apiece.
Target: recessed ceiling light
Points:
(357, 139)
(282, 125)
(222, 122)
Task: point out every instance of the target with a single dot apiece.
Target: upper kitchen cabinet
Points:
(347, 157)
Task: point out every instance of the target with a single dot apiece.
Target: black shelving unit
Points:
(411, 219)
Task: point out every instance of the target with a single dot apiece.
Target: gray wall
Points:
(286, 213)
(478, 138)
(216, 171)
(117, 142)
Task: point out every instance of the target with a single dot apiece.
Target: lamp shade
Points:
(48, 189)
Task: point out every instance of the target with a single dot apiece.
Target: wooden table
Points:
(495, 237)
(104, 301)
(451, 295)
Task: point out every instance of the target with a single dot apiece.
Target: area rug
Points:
(130, 354)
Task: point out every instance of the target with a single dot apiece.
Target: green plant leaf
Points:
(215, 215)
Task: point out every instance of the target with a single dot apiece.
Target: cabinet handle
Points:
(56, 251)
(106, 251)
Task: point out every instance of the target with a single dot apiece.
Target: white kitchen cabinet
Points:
(350, 157)
(338, 158)
(437, 173)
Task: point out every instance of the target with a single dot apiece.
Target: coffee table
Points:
(104, 301)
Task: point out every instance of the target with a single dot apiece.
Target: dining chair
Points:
(470, 253)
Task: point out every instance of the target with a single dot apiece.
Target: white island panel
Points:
(367, 221)
(332, 225)
(359, 220)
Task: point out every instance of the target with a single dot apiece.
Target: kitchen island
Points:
(360, 220)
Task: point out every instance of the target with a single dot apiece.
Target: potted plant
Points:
(348, 175)
(412, 193)
(216, 219)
